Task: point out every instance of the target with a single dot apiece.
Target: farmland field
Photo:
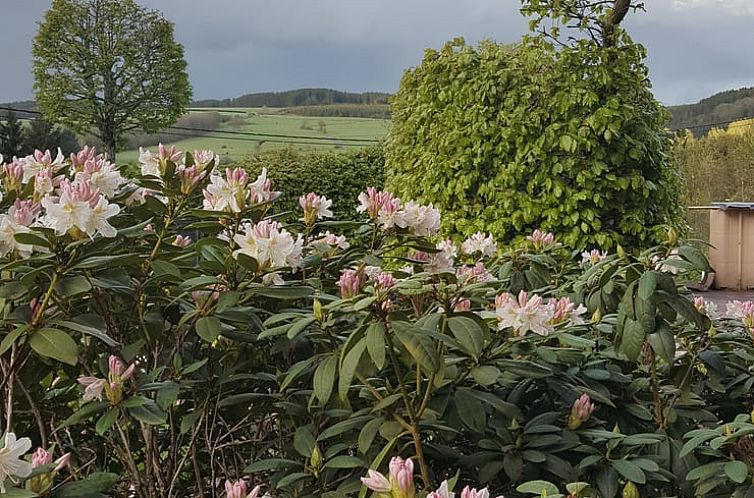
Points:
(247, 130)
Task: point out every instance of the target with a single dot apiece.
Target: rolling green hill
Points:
(725, 106)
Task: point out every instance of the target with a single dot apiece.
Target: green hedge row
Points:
(339, 176)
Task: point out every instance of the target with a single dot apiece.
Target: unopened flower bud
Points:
(630, 490)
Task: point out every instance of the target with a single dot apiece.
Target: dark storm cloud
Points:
(696, 47)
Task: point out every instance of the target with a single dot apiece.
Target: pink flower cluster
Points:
(526, 313)
(480, 243)
(590, 258)
(390, 212)
(743, 311)
(315, 207)
(350, 283)
(112, 388)
(270, 245)
(707, 308)
(474, 274)
(399, 483)
(541, 239)
(235, 194)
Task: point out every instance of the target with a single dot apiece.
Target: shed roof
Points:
(733, 205)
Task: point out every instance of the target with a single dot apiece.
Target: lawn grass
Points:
(310, 132)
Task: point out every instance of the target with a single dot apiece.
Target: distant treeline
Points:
(25, 105)
(376, 111)
(297, 98)
(725, 106)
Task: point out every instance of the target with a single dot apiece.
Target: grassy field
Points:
(235, 137)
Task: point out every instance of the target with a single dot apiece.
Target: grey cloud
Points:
(696, 47)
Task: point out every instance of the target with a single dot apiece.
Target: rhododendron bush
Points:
(164, 335)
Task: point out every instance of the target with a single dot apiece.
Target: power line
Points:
(733, 123)
(263, 136)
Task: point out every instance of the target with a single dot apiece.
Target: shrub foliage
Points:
(512, 138)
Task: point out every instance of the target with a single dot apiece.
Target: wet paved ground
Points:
(722, 296)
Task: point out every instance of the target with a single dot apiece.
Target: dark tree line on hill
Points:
(724, 106)
(295, 98)
(18, 139)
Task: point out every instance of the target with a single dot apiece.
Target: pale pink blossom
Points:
(384, 281)
(460, 304)
(523, 314)
(270, 245)
(474, 274)
(420, 220)
(707, 308)
(541, 239)
(743, 311)
(331, 240)
(13, 175)
(93, 387)
(469, 492)
(260, 191)
(80, 158)
(376, 482)
(564, 310)
(190, 177)
(589, 258)
(374, 201)
(315, 207)
(480, 243)
(202, 158)
(442, 492)
(33, 163)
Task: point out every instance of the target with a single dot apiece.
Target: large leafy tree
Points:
(559, 132)
(109, 66)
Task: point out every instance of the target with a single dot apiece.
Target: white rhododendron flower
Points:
(80, 207)
(524, 313)
(270, 245)
(707, 308)
(101, 174)
(480, 243)
(234, 193)
(150, 165)
(12, 465)
(390, 212)
(331, 240)
(592, 257)
(21, 215)
(315, 207)
(34, 163)
(418, 219)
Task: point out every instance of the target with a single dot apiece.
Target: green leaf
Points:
(419, 346)
(97, 482)
(647, 285)
(149, 413)
(344, 462)
(471, 410)
(469, 334)
(56, 344)
(89, 324)
(303, 441)
(737, 471)
(376, 343)
(208, 328)
(348, 367)
(11, 338)
(539, 488)
(18, 493)
(271, 464)
(85, 412)
(630, 471)
(485, 375)
(633, 339)
(106, 421)
(31, 239)
(324, 379)
(299, 326)
(368, 433)
(72, 286)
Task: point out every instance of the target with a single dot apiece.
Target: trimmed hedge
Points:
(339, 176)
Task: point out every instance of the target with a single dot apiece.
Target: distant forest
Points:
(726, 106)
(298, 98)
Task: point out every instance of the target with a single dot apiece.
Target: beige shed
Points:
(731, 234)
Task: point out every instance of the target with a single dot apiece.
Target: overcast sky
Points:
(696, 47)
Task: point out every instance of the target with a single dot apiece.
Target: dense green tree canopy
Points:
(562, 135)
(107, 67)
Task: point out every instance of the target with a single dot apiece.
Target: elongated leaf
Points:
(56, 344)
(633, 338)
(324, 379)
(468, 333)
(420, 347)
(376, 343)
(208, 328)
(348, 367)
(630, 471)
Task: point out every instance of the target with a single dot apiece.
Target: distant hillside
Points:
(26, 105)
(724, 106)
(297, 98)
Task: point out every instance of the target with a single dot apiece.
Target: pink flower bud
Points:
(402, 473)
(62, 462)
(181, 241)
(349, 283)
(461, 304)
(235, 489)
(384, 281)
(40, 457)
(376, 482)
(115, 365)
(580, 412)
